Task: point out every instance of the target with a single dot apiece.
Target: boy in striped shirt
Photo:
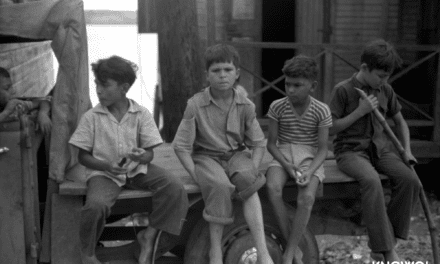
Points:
(298, 134)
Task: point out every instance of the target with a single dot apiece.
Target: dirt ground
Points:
(354, 250)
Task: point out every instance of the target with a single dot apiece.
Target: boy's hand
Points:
(115, 169)
(141, 155)
(292, 171)
(367, 105)
(11, 105)
(303, 178)
(44, 123)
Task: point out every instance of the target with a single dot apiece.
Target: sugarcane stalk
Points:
(410, 163)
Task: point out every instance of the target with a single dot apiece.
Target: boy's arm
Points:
(86, 159)
(9, 109)
(320, 156)
(44, 122)
(187, 162)
(403, 134)
(365, 107)
(274, 151)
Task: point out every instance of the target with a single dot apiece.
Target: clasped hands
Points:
(135, 157)
(302, 178)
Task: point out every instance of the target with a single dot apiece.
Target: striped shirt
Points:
(295, 129)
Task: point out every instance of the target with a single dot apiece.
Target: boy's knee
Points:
(306, 201)
(98, 206)
(371, 182)
(274, 189)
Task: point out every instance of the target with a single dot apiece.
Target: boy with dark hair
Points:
(8, 104)
(117, 130)
(217, 126)
(362, 152)
(298, 134)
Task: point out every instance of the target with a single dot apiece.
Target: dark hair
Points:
(115, 68)
(221, 53)
(381, 55)
(4, 73)
(301, 66)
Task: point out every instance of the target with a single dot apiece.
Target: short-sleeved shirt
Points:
(211, 129)
(295, 129)
(366, 132)
(99, 133)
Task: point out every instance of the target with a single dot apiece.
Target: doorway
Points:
(278, 25)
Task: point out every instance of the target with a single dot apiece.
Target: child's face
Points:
(298, 88)
(6, 91)
(109, 92)
(375, 78)
(222, 76)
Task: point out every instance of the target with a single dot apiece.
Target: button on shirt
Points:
(367, 129)
(99, 133)
(210, 129)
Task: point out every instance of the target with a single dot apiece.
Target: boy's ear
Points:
(314, 86)
(238, 73)
(125, 87)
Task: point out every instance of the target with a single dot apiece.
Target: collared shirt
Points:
(99, 133)
(212, 129)
(367, 129)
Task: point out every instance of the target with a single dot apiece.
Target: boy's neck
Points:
(119, 108)
(360, 78)
(221, 95)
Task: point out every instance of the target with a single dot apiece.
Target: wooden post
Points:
(327, 58)
(146, 16)
(436, 134)
(328, 76)
(384, 18)
(210, 7)
(180, 60)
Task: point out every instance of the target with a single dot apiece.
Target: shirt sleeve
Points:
(254, 136)
(186, 132)
(149, 135)
(325, 117)
(84, 135)
(393, 104)
(337, 102)
(272, 114)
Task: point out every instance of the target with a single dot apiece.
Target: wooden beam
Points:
(436, 134)
(107, 17)
(146, 14)
(180, 59)
(384, 19)
(210, 7)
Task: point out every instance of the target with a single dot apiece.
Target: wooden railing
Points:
(329, 53)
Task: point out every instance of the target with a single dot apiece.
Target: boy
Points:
(115, 141)
(8, 104)
(218, 124)
(297, 140)
(361, 148)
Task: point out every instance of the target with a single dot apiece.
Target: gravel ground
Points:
(354, 250)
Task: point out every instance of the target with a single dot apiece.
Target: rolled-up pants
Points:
(170, 204)
(384, 224)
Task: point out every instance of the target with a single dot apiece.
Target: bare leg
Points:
(146, 240)
(276, 179)
(215, 253)
(306, 198)
(254, 218)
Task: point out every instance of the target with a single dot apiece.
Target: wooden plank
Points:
(108, 17)
(436, 134)
(12, 245)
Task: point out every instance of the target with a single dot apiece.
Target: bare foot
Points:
(90, 260)
(146, 240)
(391, 256)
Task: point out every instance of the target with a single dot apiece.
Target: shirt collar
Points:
(239, 98)
(132, 108)
(356, 83)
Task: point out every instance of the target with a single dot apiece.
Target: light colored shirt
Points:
(296, 129)
(99, 133)
(209, 128)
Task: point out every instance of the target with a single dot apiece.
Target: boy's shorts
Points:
(301, 156)
(240, 170)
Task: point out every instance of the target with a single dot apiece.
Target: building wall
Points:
(358, 22)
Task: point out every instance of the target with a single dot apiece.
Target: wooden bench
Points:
(67, 203)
